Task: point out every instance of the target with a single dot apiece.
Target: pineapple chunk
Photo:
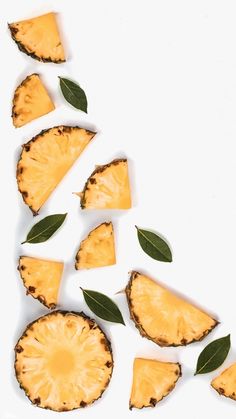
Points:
(108, 187)
(39, 37)
(41, 278)
(225, 383)
(98, 249)
(63, 361)
(152, 380)
(163, 317)
(31, 100)
(46, 159)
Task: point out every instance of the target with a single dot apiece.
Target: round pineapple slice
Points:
(225, 383)
(152, 380)
(39, 38)
(63, 361)
(107, 187)
(163, 317)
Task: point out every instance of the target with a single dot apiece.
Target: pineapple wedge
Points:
(98, 249)
(39, 38)
(46, 159)
(225, 383)
(31, 100)
(63, 361)
(107, 187)
(152, 380)
(41, 279)
(163, 317)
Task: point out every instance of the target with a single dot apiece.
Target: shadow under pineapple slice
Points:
(41, 279)
(46, 159)
(63, 361)
(107, 187)
(152, 380)
(31, 100)
(39, 37)
(162, 316)
(97, 249)
(225, 383)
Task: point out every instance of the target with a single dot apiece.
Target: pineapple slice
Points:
(152, 380)
(46, 159)
(39, 37)
(163, 317)
(31, 100)
(98, 249)
(225, 383)
(63, 361)
(41, 278)
(107, 187)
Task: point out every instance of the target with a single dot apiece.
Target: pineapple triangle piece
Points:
(162, 316)
(31, 100)
(98, 249)
(46, 159)
(225, 383)
(39, 38)
(152, 380)
(41, 279)
(107, 187)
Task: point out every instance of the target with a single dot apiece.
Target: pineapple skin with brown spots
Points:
(225, 383)
(173, 328)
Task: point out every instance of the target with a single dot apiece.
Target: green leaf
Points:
(213, 355)
(73, 94)
(45, 228)
(154, 245)
(103, 306)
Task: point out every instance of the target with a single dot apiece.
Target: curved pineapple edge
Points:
(92, 322)
(143, 333)
(23, 83)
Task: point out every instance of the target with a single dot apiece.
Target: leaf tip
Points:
(25, 241)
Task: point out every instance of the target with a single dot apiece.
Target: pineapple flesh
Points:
(225, 383)
(163, 317)
(63, 361)
(31, 100)
(98, 249)
(108, 187)
(152, 380)
(39, 37)
(46, 159)
(41, 279)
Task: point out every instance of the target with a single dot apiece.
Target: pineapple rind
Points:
(222, 384)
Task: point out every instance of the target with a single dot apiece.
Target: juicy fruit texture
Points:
(152, 380)
(98, 249)
(41, 278)
(108, 187)
(225, 383)
(63, 361)
(39, 37)
(163, 317)
(46, 159)
(31, 100)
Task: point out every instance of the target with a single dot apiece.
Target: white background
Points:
(160, 77)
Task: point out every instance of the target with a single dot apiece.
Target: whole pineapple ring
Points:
(63, 361)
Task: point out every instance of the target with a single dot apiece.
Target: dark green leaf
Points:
(213, 355)
(103, 306)
(73, 94)
(45, 228)
(154, 245)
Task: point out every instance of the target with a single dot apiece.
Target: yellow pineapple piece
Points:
(225, 383)
(31, 100)
(107, 187)
(46, 159)
(98, 249)
(162, 316)
(152, 380)
(63, 361)
(39, 37)
(41, 278)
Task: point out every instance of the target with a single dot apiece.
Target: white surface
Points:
(161, 86)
